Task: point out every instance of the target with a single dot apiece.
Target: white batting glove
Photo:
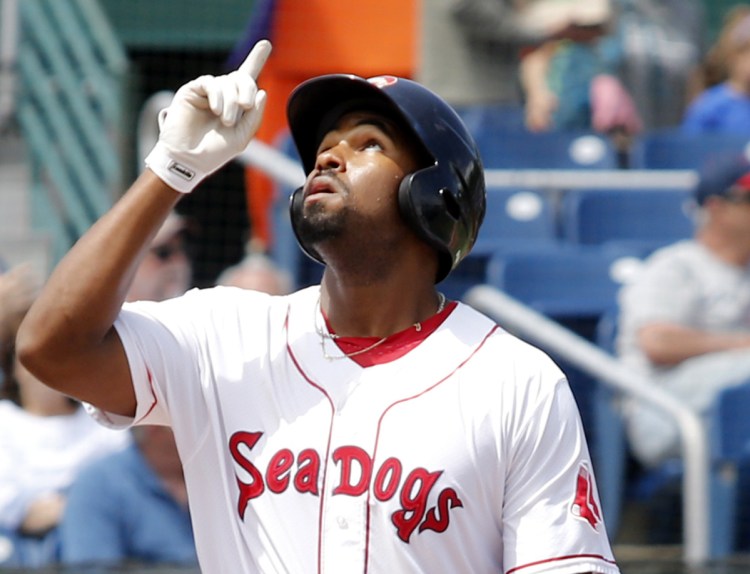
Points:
(210, 121)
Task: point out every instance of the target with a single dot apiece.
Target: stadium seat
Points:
(562, 281)
(517, 216)
(516, 219)
(498, 118)
(730, 447)
(470, 272)
(638, 217)
(673, 149)
(545, 150)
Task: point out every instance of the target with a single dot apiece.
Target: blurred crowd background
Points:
(573, 102)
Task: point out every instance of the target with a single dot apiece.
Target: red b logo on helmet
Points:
(382, 81)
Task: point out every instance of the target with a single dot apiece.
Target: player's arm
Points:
(67, 338)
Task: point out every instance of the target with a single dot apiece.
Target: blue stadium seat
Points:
(546, 150)
(516, 219)
(730, 449)
(517, 216)
(472, 271)
(561, 281)
(498, 118)
(673, 149)
(648, 217)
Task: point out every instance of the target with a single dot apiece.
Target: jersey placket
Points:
(347, 484)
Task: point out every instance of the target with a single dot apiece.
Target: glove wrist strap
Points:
(176, 174)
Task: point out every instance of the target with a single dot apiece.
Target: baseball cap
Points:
(720, 175)
(549, 16)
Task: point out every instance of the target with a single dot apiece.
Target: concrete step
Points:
(31, 248)
(14, 198)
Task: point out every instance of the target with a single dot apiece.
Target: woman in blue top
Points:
(725, 107)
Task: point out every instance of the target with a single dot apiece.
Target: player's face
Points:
(352, 192)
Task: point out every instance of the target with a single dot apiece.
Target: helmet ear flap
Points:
(295, 209)
(422, 205)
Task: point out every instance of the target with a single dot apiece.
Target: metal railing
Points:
(71, 74)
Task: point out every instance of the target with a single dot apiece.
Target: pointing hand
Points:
(210, 121)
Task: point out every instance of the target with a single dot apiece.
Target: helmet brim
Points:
(315, 106)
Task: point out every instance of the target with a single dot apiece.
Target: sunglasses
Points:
(165, 252)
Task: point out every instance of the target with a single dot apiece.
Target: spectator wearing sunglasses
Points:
(685, 320)
(166, 270)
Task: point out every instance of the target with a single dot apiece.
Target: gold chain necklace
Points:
(325, 334)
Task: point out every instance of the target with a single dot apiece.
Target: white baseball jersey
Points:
(464, 455)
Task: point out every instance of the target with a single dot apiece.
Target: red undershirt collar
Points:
(395, 346)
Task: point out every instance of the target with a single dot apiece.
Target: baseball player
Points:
(363, 425)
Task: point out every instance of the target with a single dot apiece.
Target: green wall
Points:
(174, 24)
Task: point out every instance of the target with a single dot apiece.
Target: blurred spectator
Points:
(567, 81)
(166, 270)
(685, 320)
(18, 287)
(45, 438)
(724, 105)
(655, 48)
(469, 50)
(132, 506)
(258, 272)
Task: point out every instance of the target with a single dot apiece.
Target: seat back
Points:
(481, 119)
(673, 149)
(561, 282)
(646, 216)
(515, 216)
(730, 424)
(546, 150)
(729, 432)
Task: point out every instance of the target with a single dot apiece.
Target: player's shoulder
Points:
(221, 298)
(504, 348)
(516, 372)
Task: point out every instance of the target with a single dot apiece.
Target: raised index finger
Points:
(256, 59)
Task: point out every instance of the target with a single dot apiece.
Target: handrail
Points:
(288, 172)
(540, 330)
(71, 75)
(599, 178)
(8, 50)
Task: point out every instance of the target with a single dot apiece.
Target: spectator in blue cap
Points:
(685, 319)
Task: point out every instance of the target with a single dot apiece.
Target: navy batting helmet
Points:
(443, 202)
